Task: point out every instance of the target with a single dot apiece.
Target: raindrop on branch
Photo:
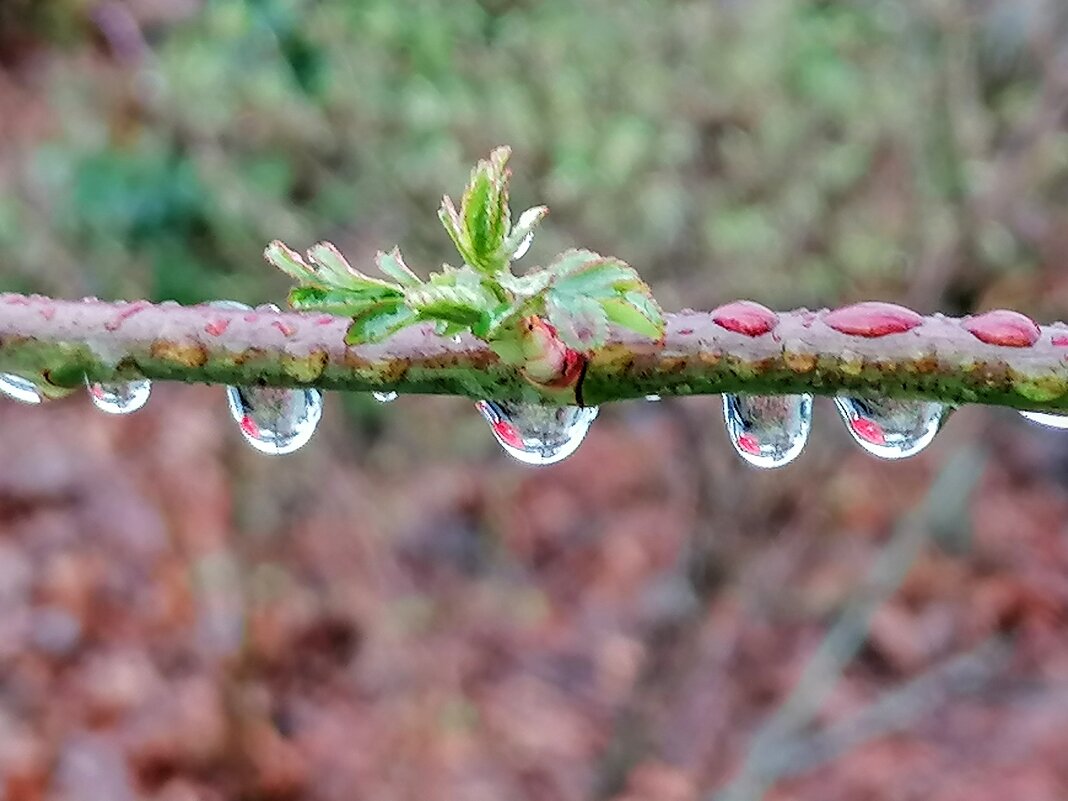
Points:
(120, 397)
(768, 430)
(384, 397)
(537, 434)
(18, 388)
(1047, 419)
(274, 420)
(889, 428)
(652, 398)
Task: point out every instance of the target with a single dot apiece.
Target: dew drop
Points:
(537, 434)
(652, 398)
(275, 420)
(768, 430)
(889, 428)
(1046, 419)
(119, 397)
(18, 388)
(384, 397)
(524, 246)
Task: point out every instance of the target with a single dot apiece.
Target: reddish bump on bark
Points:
(868, 430)
(326, 319)
(286, 329)
(251, 317)
(217, 327)
(1002, 327)
(685, 332)
(745, 317)
(749, 444)
(872, 319)
(48, 312)
(129, 311)
(1059, 340)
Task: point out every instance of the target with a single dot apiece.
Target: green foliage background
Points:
(799, 153)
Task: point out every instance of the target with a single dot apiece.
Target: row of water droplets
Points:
(767, 431)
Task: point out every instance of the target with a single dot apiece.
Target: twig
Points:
(60, 343)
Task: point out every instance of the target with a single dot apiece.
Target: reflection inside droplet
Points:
(890, 428)
(120, 397)
(768, 430)
(537, 434)
(18, 388)
(275, 420)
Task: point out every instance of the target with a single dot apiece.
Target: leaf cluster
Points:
(580, 293)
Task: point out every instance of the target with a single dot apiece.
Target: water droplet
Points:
(120, 397)
(275, 420)
(768, 430)
(18, 388)
(537, 434)
(652, 398)
(891, 429)
(384, 397)
(1046, 419)
(232, 305)
(524, 246)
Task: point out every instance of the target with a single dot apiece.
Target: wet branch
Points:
(59, 343)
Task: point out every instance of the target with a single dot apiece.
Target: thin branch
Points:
(60, 343)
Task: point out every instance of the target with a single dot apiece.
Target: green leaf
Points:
(571, 260)
(335, 301)
(484, 211)
(636, 312)
(508, 350)
(392, 264)
(289, 262)
(378, 322)
(601, 278)
(529, 285)
(580, 321)
(454, 304)
(450, 219)
(524, 227)
(335, 269)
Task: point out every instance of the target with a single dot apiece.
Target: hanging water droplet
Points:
(891, 429)
(768, 430)
(524, 246)
(119, 397)
(275, 420)
(18, 388)
(652, 398)
(537, 434)
(384, 397)
(1048, 420)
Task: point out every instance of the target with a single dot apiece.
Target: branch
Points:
(60, 343)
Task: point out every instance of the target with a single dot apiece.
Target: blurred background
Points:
(399, 611)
